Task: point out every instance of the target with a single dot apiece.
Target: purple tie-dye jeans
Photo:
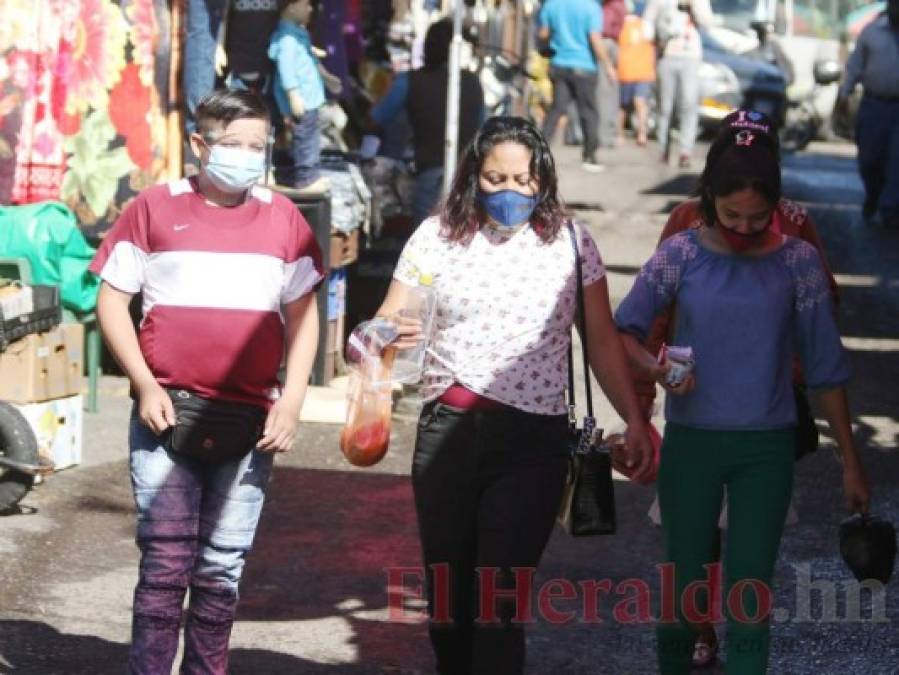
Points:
(195, 525)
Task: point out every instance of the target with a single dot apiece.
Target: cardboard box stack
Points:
(41, 374)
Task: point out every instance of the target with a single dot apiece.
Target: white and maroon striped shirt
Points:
(213, 281)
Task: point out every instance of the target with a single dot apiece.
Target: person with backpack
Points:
(675, 27)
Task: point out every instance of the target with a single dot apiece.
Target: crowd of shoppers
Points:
(739, 275)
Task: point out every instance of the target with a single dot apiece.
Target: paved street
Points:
(314, 596)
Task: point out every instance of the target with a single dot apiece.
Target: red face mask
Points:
(742, 242)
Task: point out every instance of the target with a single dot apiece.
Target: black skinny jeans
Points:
(487, 488)
(578, 85)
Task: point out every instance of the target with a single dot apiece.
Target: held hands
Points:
(280, 426)
(297, 107)
(154, 406)
(638, 451)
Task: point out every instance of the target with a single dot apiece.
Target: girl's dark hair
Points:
(462, 215)
(223, 106)
(745, 154)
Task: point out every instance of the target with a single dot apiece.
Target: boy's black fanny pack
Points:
(212, 430)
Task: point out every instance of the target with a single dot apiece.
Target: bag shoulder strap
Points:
(580, 317)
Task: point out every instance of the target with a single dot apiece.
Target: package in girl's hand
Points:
(681, 360)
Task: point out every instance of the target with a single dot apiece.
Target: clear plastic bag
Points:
(366, 435)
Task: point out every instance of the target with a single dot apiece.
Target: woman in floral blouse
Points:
(490, 457)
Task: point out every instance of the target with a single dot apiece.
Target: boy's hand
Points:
(297, 108)
(154, 406)
(280, 427)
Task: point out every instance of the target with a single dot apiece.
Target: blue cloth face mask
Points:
(507, 208)
(234, 170)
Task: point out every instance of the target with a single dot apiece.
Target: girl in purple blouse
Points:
(747, 299)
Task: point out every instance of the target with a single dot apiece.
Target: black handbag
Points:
(211, 430)
(807, 439)
(868, 546)
(588, 499)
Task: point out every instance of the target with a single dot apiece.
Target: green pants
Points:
(757, 469)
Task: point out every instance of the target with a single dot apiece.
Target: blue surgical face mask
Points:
(234, 170)
(507, 208)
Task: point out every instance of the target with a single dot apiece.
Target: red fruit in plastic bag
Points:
(365, 444)
(366, 434)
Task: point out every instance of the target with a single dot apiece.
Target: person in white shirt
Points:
(491, 454)
(675, 26)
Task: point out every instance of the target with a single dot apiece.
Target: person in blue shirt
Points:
(299, 88)
(747, 297)
(874, 64)
(573, 30)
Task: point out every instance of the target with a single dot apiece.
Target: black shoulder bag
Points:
(211, 430)
(588, 500)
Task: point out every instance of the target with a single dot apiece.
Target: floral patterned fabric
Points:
(83, 98)
(505, 306)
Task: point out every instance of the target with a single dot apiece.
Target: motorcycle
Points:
(20, 462)
(803, 121)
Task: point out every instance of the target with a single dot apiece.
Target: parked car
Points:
(807, 32)
(729, 81)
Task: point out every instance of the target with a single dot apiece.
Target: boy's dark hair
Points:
(283, 4)
(437, 43)
(223, 106)
(462, 215)
(745, 154)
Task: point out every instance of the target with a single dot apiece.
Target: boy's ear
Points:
(197, 144)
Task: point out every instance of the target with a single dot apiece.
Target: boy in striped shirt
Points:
(227, 271)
